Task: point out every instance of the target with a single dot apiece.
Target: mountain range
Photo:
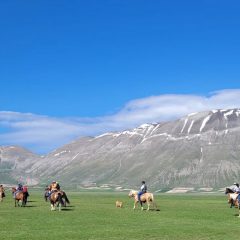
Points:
(198, 150)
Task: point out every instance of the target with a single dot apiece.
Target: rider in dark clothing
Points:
(19, 188)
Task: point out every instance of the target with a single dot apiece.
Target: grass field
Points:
(94, 216)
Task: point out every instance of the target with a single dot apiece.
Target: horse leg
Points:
(134, 205)
(141, 203)
(59, 207)
(24, 201)
(52, 207)
(148, 203)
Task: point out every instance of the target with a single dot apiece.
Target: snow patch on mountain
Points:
(204, 122)
(228, 114)
(190, 127)
(185, 122)
(60, 153)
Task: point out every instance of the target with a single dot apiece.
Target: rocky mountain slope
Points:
(199, 150)
(14, 161)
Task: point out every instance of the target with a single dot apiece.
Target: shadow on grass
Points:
(27, 206)
(67, 209)
(152, 210)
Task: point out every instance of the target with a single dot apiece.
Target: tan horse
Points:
(145, 198)
(56, 199)
(2, 194)
(19, 197)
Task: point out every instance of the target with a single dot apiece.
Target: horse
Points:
(232, 198)
(65, 199)
(2, 194)
(56, 199)
(145, 198)
(19, 196)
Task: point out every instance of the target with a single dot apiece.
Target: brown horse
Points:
(19, 197)
(145, 198)
(56, 199)
(64, 196)
(2, 194)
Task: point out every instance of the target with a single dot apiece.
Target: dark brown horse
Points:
(19, 197)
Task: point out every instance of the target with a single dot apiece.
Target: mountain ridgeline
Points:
(199, 150)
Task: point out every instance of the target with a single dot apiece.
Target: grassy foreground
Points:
(94, 216)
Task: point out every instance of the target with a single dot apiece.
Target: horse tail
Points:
(154, 203)
(59, 198)
(152, 198)
(66, 198)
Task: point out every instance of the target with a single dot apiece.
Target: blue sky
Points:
(74, 66)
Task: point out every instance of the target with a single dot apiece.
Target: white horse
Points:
(145, 198)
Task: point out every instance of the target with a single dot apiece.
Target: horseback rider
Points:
(53, 187)
(143, 189)
(58, 186)
(19, 188)
(236, 188)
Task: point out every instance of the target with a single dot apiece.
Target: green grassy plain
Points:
(94, 216)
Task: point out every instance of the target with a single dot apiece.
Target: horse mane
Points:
(134, 191)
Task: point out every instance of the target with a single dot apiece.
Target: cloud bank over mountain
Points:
(44, 133)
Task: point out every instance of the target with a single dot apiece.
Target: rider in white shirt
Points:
(235, 188)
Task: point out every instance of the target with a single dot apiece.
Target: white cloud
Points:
(44, 133)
